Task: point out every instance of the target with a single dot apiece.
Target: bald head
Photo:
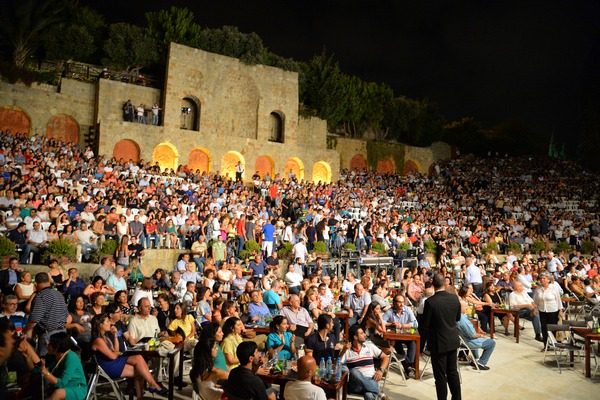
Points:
(306, 368)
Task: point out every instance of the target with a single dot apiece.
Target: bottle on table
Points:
(328, 368)
(338, 370)
(322, 368)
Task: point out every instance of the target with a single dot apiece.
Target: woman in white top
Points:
(24, 289)
(204, 374)
(547, 299)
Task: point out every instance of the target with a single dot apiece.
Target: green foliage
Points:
(562, 246)
(467, 134)
(107, 248)
(379, 248)
(349, 246)
(415, 122)
(229, 41)
(380, 151)
(588, 247)
(58, 249)
(7, 247)
(174, 25)
(72, 42)
(320, 247)
(537, 246)
(514, 247)
(252, 245)
(430, 246)
(491, 246)
(273, 60)
(129, 47)
(285, 250)
(404, 246)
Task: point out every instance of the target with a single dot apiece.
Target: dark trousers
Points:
(445, 372)
(545, 319)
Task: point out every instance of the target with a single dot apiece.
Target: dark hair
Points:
(111, 308)
(202, 291)
(118, 294)
(209, 331)
(229, 325)
(203, 362)
(60, 342)
(353, 331)
(42, 277)
(245, 350)
(439, 281)
(323, 321)
(226, 305)
(96, 279)
(277, 320)
(183, 309)
(72, 306)
(94, 296)
(97, 322)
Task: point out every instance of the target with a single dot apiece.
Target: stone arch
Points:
(15, 119)
(63, 127)
(296, 166)
(276, 126)
(358, 162)
(238, 86)
(200, 158)
(431, 169)
(321, 172)
(127, 149)
(166, 155)
(230, 160)
(265, 164)
(386, 166)
(190, 113)
(411, 166)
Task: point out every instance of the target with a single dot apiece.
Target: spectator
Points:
(475, 340)
(74, 285)
(242, 382)
(303, 388)
(280, 338)
(357, 304)
(232, 331)
(204, 373)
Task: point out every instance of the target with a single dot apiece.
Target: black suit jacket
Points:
(4, 286)
(441, 312)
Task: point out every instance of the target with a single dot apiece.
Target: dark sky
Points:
(494, 60)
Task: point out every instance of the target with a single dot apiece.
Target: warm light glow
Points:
(321, 172)
(200, 159)
(166, 155)
(230, 160)
(263, 165)
(297, 167)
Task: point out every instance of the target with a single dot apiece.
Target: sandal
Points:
(506, 332)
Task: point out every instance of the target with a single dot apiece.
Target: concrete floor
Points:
(515, 370)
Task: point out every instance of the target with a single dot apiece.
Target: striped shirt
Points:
(49, 310)
(363, 360)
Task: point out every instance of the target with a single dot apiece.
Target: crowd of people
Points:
(472, 210)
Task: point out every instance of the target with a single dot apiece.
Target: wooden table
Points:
(411, 337)
(475, 323)
(502, 311)
(587, 334)
(331, 388)
(260, 330)
(345, 316)
(171, 356)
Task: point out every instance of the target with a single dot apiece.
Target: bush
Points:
(320, 247)
(514, 247)
(252, 245)
(60, 249)
(404, 246)
(430, 246)
(107, 248)
(562, 246)
(349, 246)
(7, 247)
(379, 248)
(285, 250)
(538, 246)
(491, 246)
(588, 247)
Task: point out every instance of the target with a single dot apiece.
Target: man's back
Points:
(442, 311)
(244, 384)
(302, 390)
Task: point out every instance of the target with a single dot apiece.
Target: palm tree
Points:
(23, 23)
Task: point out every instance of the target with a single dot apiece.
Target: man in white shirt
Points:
(179, 287)
(87, 240)
(300, 251)
(38, 240)
(29, 220)
(303, 389)
(473, 277)
(527, 308)
(554, 264)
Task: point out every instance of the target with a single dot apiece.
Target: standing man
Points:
(440, 315)
(239, 171)
(268, 231)
(473, 277)
(155, 112)
(302, 388)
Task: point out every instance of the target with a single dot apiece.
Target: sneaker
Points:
(483, 367)
(410, 373)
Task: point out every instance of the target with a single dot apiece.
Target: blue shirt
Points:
(273, 340)
(258, 269)
(75, 288)
(271, 298)
(466, 330)
(269, 231)
(255, 310)
(407, 316)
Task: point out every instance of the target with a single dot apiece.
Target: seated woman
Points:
(107, 353)
(144, 290)
(96, 305)
(466, 293)
(204, 374)
(98, 285)
(576, 287)
(62, 368)
(492, 299)
(121, 300)
(79, 322)
(374, 326)
(135, 275)
(280, 339)
(232, 333)
(24, 290)
(203, 309)
(181, 320)
(161, 280)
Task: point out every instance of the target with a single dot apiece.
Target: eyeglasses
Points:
(11, 304)
(399, 302)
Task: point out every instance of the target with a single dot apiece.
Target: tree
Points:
(72, 42)
(128, 47)
(229, 41)
(174, 25)
(23, 23)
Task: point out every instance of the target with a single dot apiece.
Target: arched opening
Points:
(190, 113)
(126, 149)
(431, 170)
(321, 172)
(386, 166)
(264, 165)
(63, 127)
(295, 167)
(411, 166)
(358, 163)
(166, 155)
(229, 162)
(14, 120)
(276, 125)
(200, 159)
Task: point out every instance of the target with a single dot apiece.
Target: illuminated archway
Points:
(200, 159)
(15, 119)
(386, 166)
(265, 164)
(411, 166)
(229, 162)
(127, 149)
(358, 162)
(296, 166)
(166, 155)
(321, 172)
(431, 170)
(63, 127)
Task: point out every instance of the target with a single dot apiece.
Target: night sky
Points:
(492, 60)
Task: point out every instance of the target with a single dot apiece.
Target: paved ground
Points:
(515, 370)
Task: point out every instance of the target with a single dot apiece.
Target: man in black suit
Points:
(441, 312)
(10, 276)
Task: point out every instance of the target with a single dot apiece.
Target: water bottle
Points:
(322, 368)
(328, 370)
(301, 351)
(338, 370)
(275, 357)
(261, 320)
(156, 336)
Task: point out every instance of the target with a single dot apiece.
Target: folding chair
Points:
(553, 345)
(396, 360)
(94, 383)
(468, 352)
(576, 309)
